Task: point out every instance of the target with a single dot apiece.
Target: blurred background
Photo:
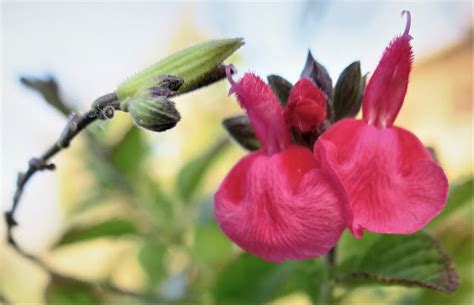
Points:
(132, 210)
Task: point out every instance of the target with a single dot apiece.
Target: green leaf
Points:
(191, 174)
(459, 196)
(408, 260)
(348, 92)
(127, 156)
(250, 280)
(65, 291)
(281, 87)
(150, 258)
(110, 228)
(191, 64)
(241, 131)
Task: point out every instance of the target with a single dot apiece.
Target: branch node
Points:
(37, 164)
(11, 222)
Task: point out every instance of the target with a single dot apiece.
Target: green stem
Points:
(326, 288)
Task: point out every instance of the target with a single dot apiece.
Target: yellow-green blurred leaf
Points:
(151, 259)
(114, 227)
(191, 174)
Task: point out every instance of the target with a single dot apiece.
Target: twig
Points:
(103, 109)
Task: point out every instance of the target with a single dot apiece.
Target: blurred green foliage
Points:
(179, 221)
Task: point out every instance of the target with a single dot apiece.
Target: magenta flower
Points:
(277, 202)
(393, 183)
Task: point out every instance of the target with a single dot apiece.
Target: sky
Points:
(91, 47)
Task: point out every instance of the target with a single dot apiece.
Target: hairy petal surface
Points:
(306, 108)
(264, 111)
(282, 206)
(393, 184)
(387, 87)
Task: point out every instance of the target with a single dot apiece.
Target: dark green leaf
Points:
(320, 76)
(111, 228)
(67, 291)
(348, 92)
(459, 196)
(408, 260)
(48, 88)
(281, 87)
(191, 174)
(250, 280)
(128, 155)
(240, 130)
(151, 259)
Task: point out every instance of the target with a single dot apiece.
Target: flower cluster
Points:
(292, 200)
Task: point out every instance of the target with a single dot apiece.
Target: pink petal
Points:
(387, 87)
(281, 207)
(264, 111)
(306, 108)
(393, 184)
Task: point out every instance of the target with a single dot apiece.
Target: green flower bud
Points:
(192, 65)
(152, 113)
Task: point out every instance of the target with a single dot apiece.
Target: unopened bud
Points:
(153, 113)
(192, 65)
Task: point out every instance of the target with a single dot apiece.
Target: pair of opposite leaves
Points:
(285, 201)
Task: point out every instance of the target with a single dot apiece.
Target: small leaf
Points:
(191, 174)
(151, 259)
(192, 64)
(408, 260)
(348, 92)
(320, 76)
(241, 131)
(48, 88)
(250, 280)
(111, 228)
(281, 87)
(68, 291)
(128, 154)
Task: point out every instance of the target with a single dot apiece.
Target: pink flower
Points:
(393, 183)
(277, 203)
(306, 108)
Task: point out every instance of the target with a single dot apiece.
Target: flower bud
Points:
(306, 108)
(192, 65)
(152, 113)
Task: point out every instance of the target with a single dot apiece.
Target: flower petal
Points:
(281, 207)
(387, 87)
(306, 108)
(264, 111)
(393, 184)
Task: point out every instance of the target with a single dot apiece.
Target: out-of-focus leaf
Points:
(191, 174)
(151, 259)
(347, 93)
(210, 244)
(281, 87)
(67, 291)
(459, 195)
(48, 88)
(250, 280)
(408, 260)
(128, 155)
(111, 228)
(320, 76)
(241, 131)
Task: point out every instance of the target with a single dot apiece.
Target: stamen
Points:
(408, 24)
(229, 70)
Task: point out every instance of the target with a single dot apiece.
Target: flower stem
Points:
(326, 287)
